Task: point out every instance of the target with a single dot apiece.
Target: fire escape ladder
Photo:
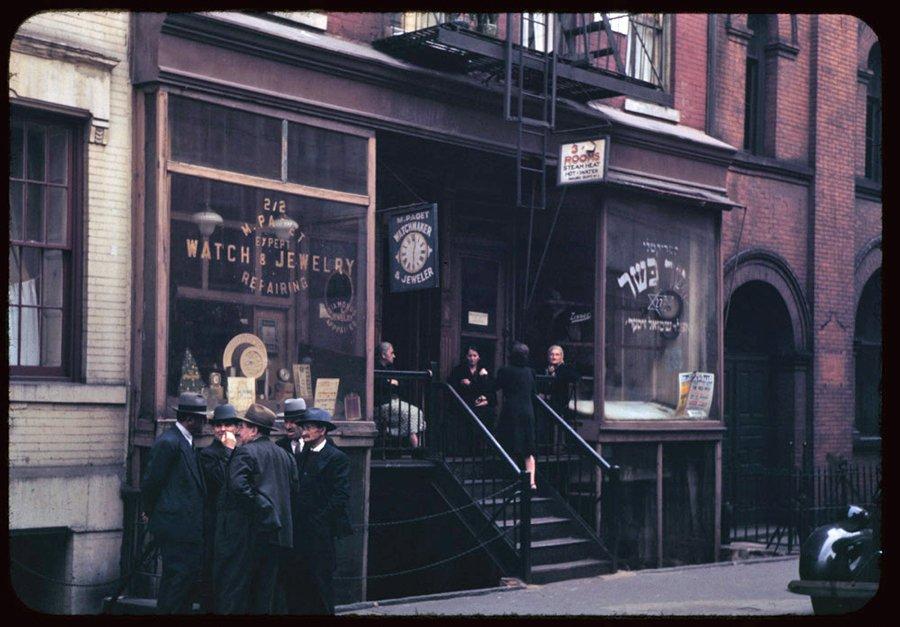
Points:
(579, 48)
(530, 101)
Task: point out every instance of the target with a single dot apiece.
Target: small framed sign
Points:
(583, 162)
(303, 381)
(326, 394)
(241, 392)
(413, 247)
(352, 409)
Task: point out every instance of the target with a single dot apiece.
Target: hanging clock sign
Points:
(413, 247)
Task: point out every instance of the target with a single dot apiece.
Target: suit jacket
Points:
(260, 489)
(481, 385)
(172, 490)
(321, 510)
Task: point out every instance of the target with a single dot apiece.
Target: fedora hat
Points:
(191, 403)
(294, 409)
(224, 413)
(318, 416)
(259, 415)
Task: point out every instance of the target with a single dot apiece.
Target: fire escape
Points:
(536, 59)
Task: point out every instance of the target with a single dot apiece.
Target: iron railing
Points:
(403, 405)
(585, 482)
(780, 507)
(489, 475)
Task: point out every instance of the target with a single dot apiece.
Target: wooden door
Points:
(481, 300)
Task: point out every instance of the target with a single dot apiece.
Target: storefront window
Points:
(265, 281)
(660, 314)
(303, 298)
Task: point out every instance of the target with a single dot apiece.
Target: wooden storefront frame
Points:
(158, 209)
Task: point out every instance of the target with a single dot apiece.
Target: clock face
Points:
(414, 251)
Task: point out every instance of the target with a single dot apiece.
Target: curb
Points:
(749, 561)
(365, 605)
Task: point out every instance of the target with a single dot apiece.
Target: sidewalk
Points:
(744, 588)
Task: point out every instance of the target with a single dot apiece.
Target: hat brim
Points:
(196, 412)
(255, 423)
(329, 426)
(292, 416)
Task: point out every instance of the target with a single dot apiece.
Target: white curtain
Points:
(28, 320)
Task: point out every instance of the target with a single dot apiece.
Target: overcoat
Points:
(320, 517)
(254, 523)
(515, 426)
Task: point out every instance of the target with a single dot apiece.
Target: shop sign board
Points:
(583, 162)
(413, 247)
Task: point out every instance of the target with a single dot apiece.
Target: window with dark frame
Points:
(873, 116)
(42, 236)
(754, 90)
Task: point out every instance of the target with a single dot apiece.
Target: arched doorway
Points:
(759, 403)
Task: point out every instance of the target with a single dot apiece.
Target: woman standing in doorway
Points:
(515, 426)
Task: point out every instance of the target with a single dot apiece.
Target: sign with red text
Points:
(583, 162)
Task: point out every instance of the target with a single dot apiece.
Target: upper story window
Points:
(537, 31)
(43, 260)
(873, 116)
(643, 39)
(754, 88)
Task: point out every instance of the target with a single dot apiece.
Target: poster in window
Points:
(303, 382)
(695, 394)
(241, 392)
(326, 394)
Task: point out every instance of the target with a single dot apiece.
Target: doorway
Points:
(758, 451)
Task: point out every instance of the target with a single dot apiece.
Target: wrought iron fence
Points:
(403, 406)
(781, 507)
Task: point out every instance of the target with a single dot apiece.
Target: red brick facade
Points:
(802, 198)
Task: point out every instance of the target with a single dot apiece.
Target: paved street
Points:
(746, 588)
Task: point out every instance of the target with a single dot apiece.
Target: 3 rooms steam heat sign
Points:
(583, 162)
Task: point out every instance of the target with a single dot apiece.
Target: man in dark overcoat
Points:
(254, 524)
(213, 462)
(294, 411)
(320, 516)
(172, 492)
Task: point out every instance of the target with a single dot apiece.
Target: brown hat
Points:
(259, 415)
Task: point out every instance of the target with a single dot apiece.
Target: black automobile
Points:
(840, 563)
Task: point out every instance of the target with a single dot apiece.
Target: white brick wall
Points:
(68, 432)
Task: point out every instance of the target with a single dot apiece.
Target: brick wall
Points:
(89, 433)
(364, 27)
(689, 89)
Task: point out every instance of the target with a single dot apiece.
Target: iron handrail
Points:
(581, 443)
(485, 431)
(404, 374)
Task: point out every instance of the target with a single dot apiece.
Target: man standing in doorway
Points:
(321, 516)
(172, 491)
(564, 376)
(255, 523)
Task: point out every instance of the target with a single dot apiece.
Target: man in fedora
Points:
(213, 462)
(172, 491)
(254, 523)
(320, 516)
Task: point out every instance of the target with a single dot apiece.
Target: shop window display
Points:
(267, 289)
(660, 314)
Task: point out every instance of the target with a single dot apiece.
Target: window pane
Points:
(58, 155)
(29, 338)
(15, 210)
(13, 331)
(16, 147)
(311, 287)
(323, 158)
(229, 139)
(52, 279)
(57, 215)
(660, 310)
(31, 276)
(36, 153)
(34, 213)
(51, 337)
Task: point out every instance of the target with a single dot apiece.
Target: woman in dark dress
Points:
(515, 427)
(476, 386)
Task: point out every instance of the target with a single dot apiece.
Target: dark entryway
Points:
(759, 403)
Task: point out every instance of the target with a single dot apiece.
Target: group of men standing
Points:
(249, 520)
